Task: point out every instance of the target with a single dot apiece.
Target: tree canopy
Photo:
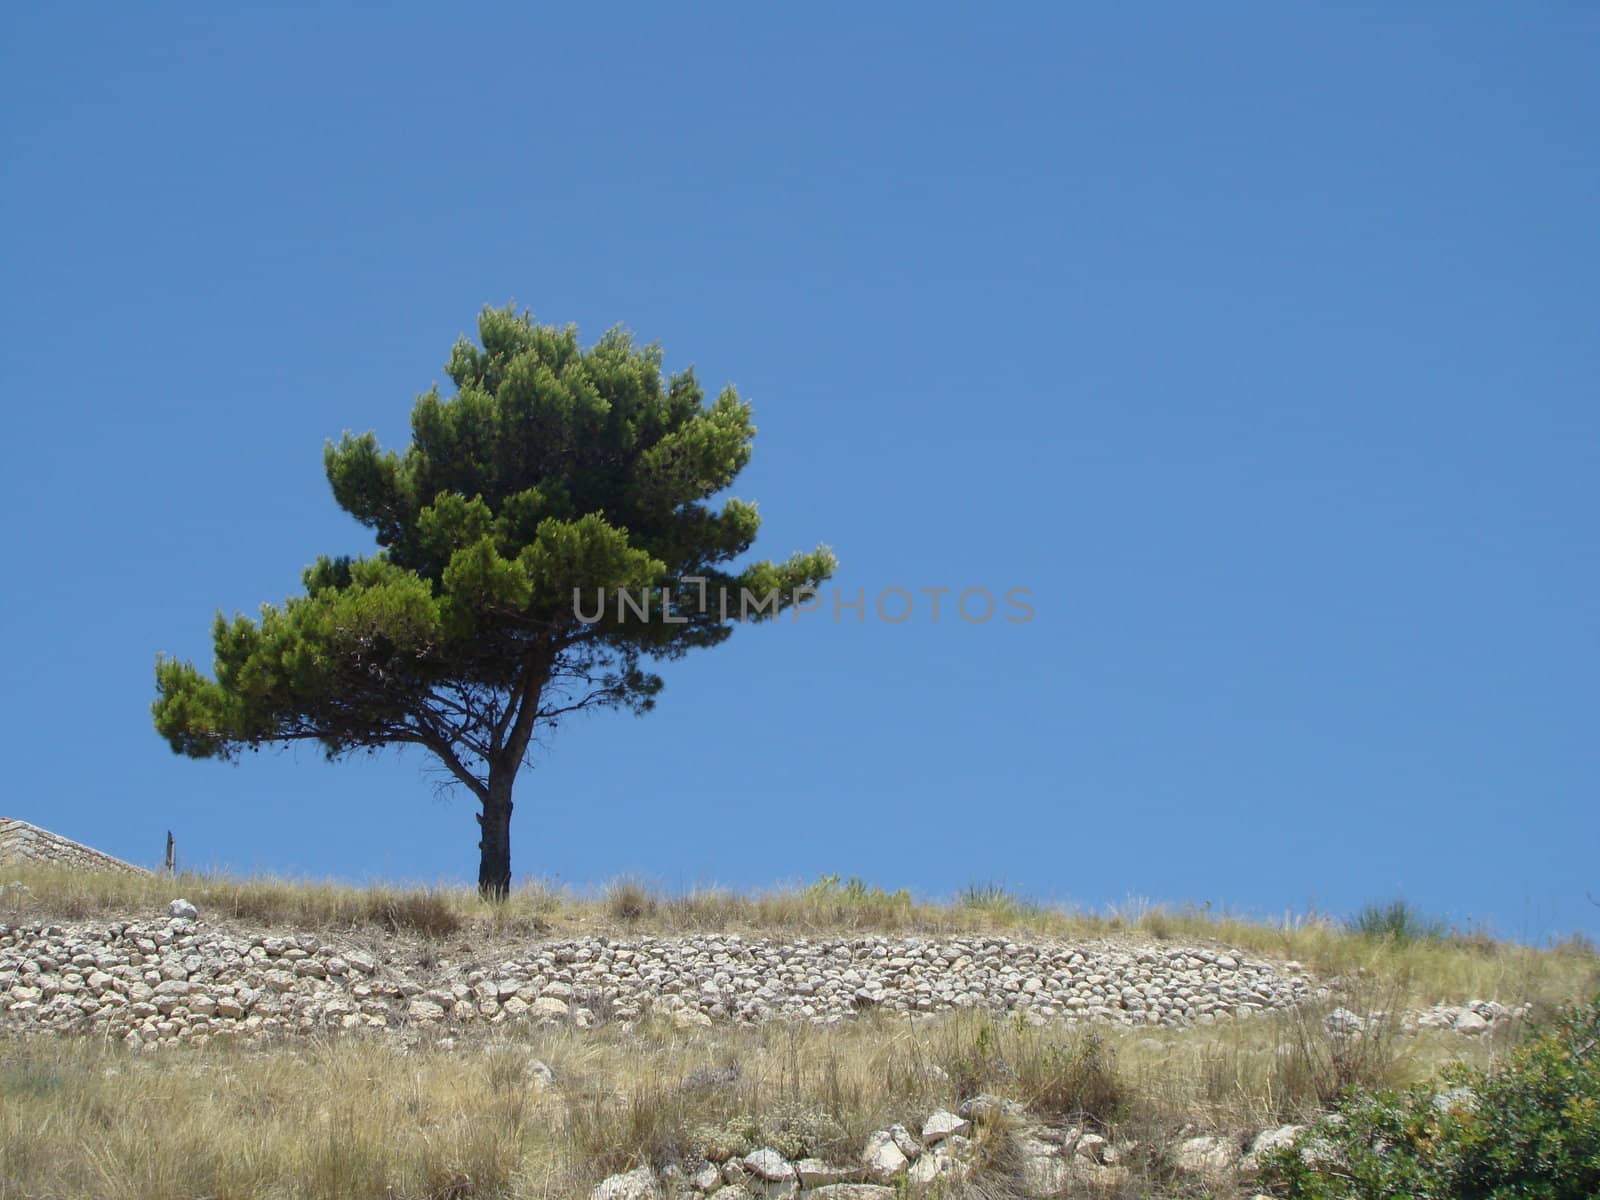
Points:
(553, 473)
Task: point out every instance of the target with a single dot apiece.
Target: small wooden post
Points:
(172, 855)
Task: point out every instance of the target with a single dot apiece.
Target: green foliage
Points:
(854, 891)
(552, 473)
(1529, 1129)
(1075, 1078)
(1399, 921)
(995, 899)
(1072, 1077)
(24, 1081)
(793, 1128)
(1577, 945)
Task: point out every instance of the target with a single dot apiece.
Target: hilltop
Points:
(256, 1037)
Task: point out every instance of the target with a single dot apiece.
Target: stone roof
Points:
(22, 842)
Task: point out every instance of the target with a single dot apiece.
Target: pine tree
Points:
(545, 539)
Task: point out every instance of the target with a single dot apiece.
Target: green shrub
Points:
(996, 900)
(854, 893)
(794, 1130)
(1529, 1129)
(1071, 1076)
(1398, 921)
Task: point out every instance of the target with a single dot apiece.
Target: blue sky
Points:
(1259, 342)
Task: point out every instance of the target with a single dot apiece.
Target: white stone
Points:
(1274, 1139)
(923, 1172)
(941, 1124)
(705, 1177)
(1091, 1146)
(815, 1173)
(1462, 1099)
(548, 1008)
(638, 1184)
(769, 1165)
(882, 1158)
(1047, 1176)
(1206, 1155)
(1343, 1021)
(907, 1145)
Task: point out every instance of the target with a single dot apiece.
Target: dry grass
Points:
(630, 901)
(1420, 971)
(359, 1118)
(370, 1119)
(373, 1120)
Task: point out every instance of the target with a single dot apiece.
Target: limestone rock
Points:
(983, 1107)
(923, 1172)
(101, 979)
(769, 1165)
(904, 1142)
(1206, 1155)
(815, 1173)
(1046, 1176)
(548, 1008)
(882, 1158)
(1265, 1143)
(1091, 1146)
(424, 1010)
(705, 1177)
(1343, 1021)
(1461, 1099)
(941, 1124)
(638, 1184)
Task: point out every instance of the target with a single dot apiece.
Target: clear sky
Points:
(1259, 342)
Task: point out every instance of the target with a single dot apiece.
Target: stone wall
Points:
(22, 842)
(153, 982)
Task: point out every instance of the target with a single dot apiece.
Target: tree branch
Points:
(448, 756)
(527, 706)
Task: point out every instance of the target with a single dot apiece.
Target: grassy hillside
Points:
(1421, 959)
(525, 1110)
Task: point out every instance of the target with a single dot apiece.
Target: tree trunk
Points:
(494, 862)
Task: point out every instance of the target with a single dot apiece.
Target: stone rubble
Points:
(1473, 1018)
(893, 1164)
(154, 982)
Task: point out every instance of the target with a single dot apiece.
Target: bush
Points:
(1072, 1077)
(1398, 921)
(851, 902)
(628, 900)
(995, 900)
(427, 913)
(1529, 1129)
(1316, 1062)
(854, 891)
